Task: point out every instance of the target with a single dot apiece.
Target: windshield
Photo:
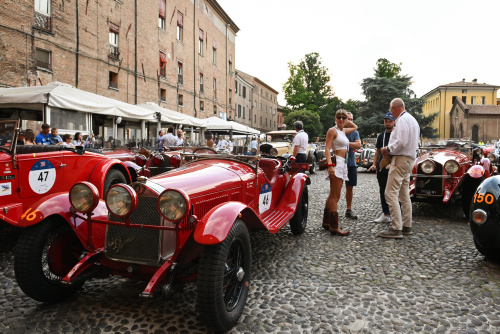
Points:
(7, 130)
(280, 137)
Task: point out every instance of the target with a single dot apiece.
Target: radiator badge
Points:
(422, 183)
(116, 244)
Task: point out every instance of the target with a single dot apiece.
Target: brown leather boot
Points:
(326, 222)
(334, 224)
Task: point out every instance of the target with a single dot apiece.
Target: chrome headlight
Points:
(121, 200)
(84, 197)
(273, 151)
(428, 166)
(173, 205)
(451, 166)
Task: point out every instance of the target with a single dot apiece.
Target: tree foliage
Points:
(311, 120)
(379, 91)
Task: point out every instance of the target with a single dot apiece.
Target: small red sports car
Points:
(29, 173)
(448, 173)
(189, 224)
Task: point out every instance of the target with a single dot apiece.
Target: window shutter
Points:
(214, 45)
(201, 35)
(179, 63)
(114, 28)
(163, 60)
(230, 59)
(161, 8)
(180, 19)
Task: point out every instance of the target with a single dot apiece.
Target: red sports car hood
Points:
(206, 176)
(441, 156)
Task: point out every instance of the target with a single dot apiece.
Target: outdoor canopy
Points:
(174, 117)
(216, 124)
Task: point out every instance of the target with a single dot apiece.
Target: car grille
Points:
(430, 185)
(138, 245)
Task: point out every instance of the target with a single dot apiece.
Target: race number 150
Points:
(488, 198)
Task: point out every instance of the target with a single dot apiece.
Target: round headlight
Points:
(173, 205)
(141, 160)
(273, 151)
(121, 200)
(84, 197)
(157, 160)
(479, 216)
(451, 166)
(427, 166)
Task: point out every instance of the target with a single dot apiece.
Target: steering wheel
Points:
(287, 164)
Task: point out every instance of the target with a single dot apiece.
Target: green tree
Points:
(307, 87)
(379, 91)
(311, 120)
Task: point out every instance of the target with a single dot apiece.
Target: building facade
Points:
(475, 122)
(441, 99)
(264, 104)
(177, 53)
(243, 93)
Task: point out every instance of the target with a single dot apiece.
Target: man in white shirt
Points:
(402, 147)
(299, 143)
(222, 144)
(179, 141)
(253, 146)
(168, 139)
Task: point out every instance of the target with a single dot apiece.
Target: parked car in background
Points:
(29, 173)
(189, 224)
(366, 155)
(485, 218)
(279, 143)
(448, 174)
(494, 154)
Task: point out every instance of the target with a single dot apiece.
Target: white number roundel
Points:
(265, 197)
(42, 176)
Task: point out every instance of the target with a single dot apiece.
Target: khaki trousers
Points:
(397, 190)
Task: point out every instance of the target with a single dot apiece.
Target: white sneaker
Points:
(383, 219)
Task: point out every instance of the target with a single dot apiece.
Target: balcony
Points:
(114, 52)
(43, 21)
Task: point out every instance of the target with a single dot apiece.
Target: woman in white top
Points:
(337, 141)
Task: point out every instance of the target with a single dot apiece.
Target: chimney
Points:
(474, 81)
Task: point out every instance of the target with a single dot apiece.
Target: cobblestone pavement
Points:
(433, 281)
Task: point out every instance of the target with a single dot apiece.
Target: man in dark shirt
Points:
(352, 169)
(383, 140)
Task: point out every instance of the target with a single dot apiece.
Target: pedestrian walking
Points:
(337, 141)
(402, 148)
(352, 168)
(382, 173)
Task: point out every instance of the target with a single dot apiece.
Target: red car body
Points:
(201, 235)
(437, 184)
(29, 173)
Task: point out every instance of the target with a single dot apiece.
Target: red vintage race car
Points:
(31, 172)
(449, 173)
(189, 224)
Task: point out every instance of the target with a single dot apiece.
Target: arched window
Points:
(475, 133)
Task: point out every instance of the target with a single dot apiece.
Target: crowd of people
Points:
(50, 136)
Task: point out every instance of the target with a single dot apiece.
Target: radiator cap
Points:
(142, 179)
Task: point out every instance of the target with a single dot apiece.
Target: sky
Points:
(437, 41)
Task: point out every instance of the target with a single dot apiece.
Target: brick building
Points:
(177, 53)
(243, 93)
(265, 104)
(477, 122)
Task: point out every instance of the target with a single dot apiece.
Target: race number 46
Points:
(265, 198)
(42, 176)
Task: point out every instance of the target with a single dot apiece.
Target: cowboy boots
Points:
(326, 222)
(334, 224)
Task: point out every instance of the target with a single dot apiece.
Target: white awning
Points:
(218, 124)
(170, 116)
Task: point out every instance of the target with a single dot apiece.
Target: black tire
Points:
(298, 222)
(221, 294)
(45, 253)
(204, 150)
(468, 190)
(113, 177)
(490, 254)
(312, 167)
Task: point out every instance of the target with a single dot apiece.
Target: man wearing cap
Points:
(402, 148)
(382, 173)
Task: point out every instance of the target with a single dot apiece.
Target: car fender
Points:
(58, 205)
(215, 225)
(476, 171)
(134, 170)
(310, 157)
(291, 195)
(100, 171)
